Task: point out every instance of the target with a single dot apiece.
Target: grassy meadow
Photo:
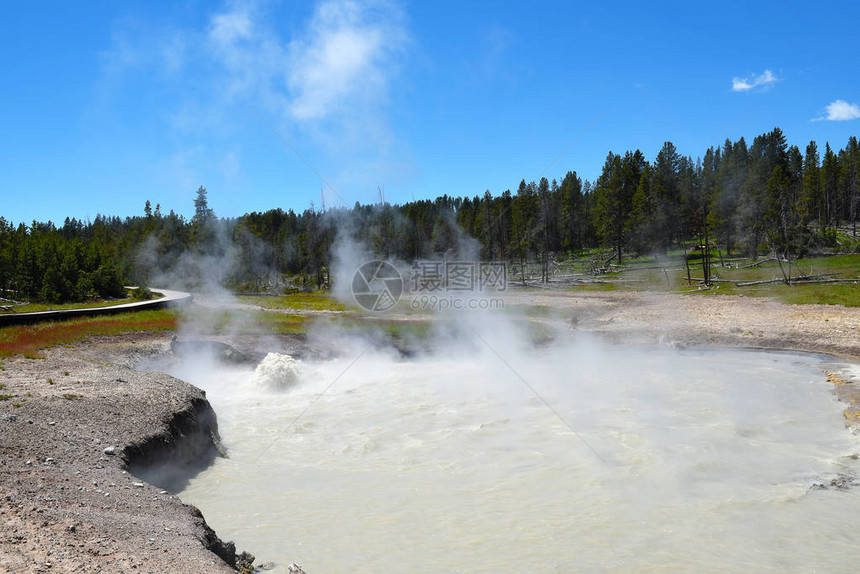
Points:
(836, 279)
(28, 340)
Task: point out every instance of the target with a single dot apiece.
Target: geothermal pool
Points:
(702, 461)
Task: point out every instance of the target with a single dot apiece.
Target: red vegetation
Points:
(28, 338)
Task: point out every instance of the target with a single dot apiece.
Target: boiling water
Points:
(701, 461)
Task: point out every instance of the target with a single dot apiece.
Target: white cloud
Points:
(344, 59)
(250, 54)
(342, 67)
(338, 67)
(840, 111)
(226, 29)
(326, 83)
(762, 81)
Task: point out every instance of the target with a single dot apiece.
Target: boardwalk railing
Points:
(169, 299)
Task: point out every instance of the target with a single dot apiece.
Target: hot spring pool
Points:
(704, 462)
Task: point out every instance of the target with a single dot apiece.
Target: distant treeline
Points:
(765, 198)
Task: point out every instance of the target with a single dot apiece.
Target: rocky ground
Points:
(79, 420)
(67, 502)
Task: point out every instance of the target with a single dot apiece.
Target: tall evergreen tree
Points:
(829, 188)
(573, 227)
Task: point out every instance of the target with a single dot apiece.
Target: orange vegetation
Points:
(26, 339)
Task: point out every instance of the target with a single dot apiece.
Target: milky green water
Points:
(701, 461)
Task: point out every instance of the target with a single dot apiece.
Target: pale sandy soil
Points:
(65, 505)
(731, 321)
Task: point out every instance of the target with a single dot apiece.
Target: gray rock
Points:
(839, 482)
(110, 450)
(245, 562)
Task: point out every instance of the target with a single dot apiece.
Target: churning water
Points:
(701, 461)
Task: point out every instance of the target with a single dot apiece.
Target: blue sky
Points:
(108, 104)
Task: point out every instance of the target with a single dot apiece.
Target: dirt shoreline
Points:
(67, 506)
(704, 320)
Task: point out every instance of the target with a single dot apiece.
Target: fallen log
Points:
(763, 282)
(757, 263)
(803, 279)
(632, 268)
(815, 276)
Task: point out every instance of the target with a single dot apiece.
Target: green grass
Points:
(407, 329)
(635, 276)
(798, 293)
(244, 321)
(27, 339)
(281, 323)
(416, 327)
(608, 286)
(296, 301)
(412, 329)
(848, 264)
(824, 294)
(34, 307)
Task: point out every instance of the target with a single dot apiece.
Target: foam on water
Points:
(277, 371)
